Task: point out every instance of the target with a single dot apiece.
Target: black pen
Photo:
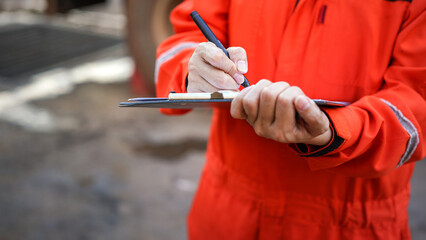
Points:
(212, 38)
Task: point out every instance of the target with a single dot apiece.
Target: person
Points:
(278, 166)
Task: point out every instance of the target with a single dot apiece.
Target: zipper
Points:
(323, 10)
(295, 5)
(321, 15)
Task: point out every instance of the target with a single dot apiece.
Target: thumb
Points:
(316, 123)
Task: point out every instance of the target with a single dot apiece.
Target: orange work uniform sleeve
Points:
(391, 122)
(372, 131)
(173, 54)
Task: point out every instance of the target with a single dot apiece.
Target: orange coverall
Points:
(371, 53)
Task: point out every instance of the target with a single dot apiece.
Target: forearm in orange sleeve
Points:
(174, 53)
(385, 130)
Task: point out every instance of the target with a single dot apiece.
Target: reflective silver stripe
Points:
(411, 130)
(169, 54)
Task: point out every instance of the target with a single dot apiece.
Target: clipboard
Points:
(220, 99)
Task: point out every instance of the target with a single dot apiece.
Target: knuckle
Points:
(210, 45)
(289, 138)
(268, 94)
(232, 50)
(284, 100)
(259, 130)
(227, 67)
(278, 136)
(249, 104)
(203, 46)
(295, 89)
(281, 137)
(264, 81)
(319, 132)
(201, 49)
(295, 133)
(238, 51)
(291, 135)
(217, 57)
(242, 50)
(325, 128)
(284, 84)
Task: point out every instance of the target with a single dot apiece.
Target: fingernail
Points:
(239, 78)
(242, 66)
(303, 103)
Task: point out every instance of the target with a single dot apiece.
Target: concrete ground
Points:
(116, 174)
(103, 172)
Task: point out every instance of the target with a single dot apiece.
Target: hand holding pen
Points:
(212, 67)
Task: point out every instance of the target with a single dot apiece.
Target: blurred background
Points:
(72, 164)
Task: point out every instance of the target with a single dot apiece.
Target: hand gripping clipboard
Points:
(202, 100)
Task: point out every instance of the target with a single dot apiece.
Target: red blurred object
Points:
(138, 84)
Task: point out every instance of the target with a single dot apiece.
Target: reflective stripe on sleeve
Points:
(411, 130)
(169, 54)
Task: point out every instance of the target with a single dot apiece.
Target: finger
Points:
(239, 56)
(217, 78)
(251, 100)
(267, 104)
(217, 58)
(196, 66)
(198, 84)
(316, 123)
(237, 109)
(285, 114)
